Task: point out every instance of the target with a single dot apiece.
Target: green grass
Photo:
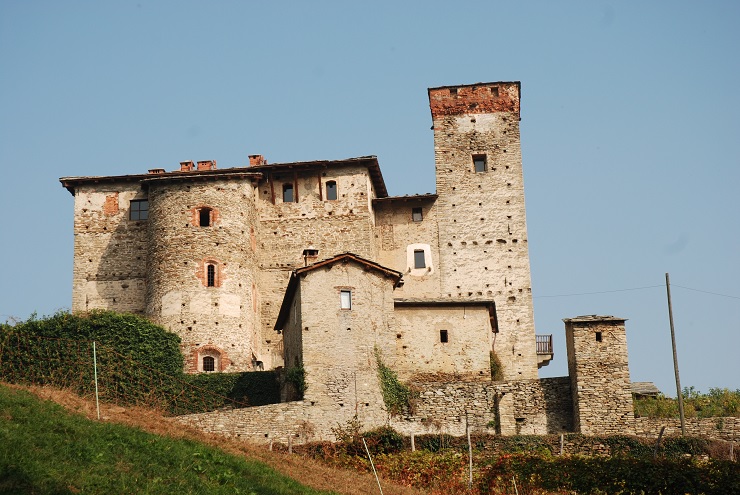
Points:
(46, 450)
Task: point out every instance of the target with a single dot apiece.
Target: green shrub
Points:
(296, 376)
(383, 440)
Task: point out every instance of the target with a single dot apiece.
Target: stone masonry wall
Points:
(313, 221)
(544, 406)
(419, 348)
(599, 373)
(719, 428)
(397, 235)
(482, 225)
(109, 249)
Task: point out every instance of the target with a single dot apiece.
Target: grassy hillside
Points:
(47, 450)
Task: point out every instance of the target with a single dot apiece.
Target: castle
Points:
(313, 264)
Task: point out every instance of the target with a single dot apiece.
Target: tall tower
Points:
(599, 375)
(482, 225)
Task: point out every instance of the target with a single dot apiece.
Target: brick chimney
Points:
(255, 160)
(207, 165)
(156, 170)
(187, 166)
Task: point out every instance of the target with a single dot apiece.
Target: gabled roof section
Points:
(253, 172)
(393, 275)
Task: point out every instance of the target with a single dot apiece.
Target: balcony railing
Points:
(544, 344)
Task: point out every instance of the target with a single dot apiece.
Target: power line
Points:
(601, 292)
(635, 288)
(706, 292)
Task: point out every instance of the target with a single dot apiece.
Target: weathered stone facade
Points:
(600, 375)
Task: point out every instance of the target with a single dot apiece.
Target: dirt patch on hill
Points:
(307, 471)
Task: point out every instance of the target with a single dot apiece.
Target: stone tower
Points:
(201, 265)
(599, 375)
(482, 226)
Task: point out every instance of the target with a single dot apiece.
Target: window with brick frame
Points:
(204, 217)
(139, 209)
(331, 190)
(288, 193)
(480, 163)
(211, 275)
(417, 214)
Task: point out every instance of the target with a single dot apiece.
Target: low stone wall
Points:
(717, 428)
(518, 407)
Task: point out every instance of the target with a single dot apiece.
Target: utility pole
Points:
(675, 356)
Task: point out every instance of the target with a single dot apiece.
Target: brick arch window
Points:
(210, 272)
(209, 359)
(204, 216)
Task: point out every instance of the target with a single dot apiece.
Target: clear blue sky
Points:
(630, 135)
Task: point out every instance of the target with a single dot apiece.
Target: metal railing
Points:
(544, 344)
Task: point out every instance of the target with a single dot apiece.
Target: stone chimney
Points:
(255, 160)
(207, 165)
(187, 166)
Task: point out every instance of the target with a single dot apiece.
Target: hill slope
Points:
(45, 449)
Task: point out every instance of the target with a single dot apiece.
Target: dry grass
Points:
(307, 471)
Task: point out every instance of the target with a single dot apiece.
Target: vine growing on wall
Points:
(396, 396)
(497, 369)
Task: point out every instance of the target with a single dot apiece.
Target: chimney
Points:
(186, 166)
(207, 165)
(156, 170)
(255, 160)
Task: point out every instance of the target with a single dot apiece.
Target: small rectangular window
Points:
(345, 298)
(598, 336)
(287, 193)
(443, 337)
(139, 209)
(331, 190)
(416, 214)
(479, 163)
(419, 259)
(205, 217)
(209, 364)
(211, 275)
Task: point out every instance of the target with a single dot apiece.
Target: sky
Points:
(630, 130)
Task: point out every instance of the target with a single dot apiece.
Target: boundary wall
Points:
(535, 407)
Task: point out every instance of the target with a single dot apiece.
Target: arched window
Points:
(331, 190)
(204, 217)
(211, 275)
(209, 363)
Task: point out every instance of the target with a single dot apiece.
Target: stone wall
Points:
(109, 269)
(419, 348)
(286, 229)
(531, 407)
(718, 428)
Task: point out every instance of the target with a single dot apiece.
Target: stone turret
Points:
(599, 375)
